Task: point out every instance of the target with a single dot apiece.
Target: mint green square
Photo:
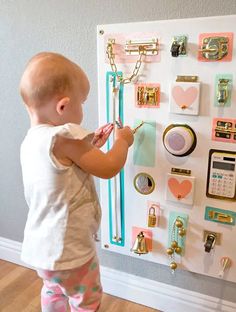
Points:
(230, 87)
(144, 152)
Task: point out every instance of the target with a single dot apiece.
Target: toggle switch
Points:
(211, 239)
(210, 242)
(178, 46)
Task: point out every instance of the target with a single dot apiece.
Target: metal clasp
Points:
(214, 48)
(137, 47)
(220, 217)
(147, 95)
(223, 91)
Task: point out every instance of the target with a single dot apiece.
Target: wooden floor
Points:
(20, 292)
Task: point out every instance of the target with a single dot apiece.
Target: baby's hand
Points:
(126, 134)
(101, 135)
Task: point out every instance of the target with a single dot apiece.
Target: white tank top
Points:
(64, 212)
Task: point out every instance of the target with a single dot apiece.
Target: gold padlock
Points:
(152, 218)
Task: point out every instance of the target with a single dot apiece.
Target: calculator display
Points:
(223, 165)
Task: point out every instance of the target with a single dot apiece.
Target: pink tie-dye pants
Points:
(79, 287)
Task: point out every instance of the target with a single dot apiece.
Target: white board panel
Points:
(163, 71)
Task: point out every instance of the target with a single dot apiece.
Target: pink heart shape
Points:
(179, 189)
(184, 98)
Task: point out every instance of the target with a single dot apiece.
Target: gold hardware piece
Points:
(174, 244)
(178, 250)
(136, 47)
(178, 46)
(187, 79)
(186, 172)
(152, 218)
(174, 247)
(179, 223)
(223, 91)
(220, 217)
(143, 50)
(140, 245)
(216, 234)
(147, 95)
(173, 266)
(224, 129)
(214, 48)
(170, 251)
(182, 232)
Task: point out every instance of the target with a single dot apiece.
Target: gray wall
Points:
(69, 27)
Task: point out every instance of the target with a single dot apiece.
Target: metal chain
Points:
(135, 72)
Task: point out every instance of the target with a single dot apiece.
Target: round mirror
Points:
(144, 183)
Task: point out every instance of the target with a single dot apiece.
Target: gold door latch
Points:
(225, 129)
(146, 46)
(148, 95)
(223, 91)
(142, 48)
(214, 48)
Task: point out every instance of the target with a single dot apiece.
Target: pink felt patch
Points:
(179, 189)
(184, 97)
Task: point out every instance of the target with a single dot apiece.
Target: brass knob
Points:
(178, 250)
(174, 244)
(173, 265)
(169, 251)
(182, 232)
(179, 223)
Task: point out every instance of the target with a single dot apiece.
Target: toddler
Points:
(58, 159)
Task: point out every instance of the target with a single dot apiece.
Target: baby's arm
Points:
(92, 160)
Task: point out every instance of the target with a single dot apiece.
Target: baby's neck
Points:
(36, 120)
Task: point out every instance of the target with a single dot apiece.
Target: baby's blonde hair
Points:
(47, 76)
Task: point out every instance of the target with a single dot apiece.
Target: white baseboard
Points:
(140, 290)
(10, 251)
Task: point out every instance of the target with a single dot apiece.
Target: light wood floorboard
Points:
(20, 292)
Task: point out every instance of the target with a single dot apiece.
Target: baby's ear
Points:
(62, 105)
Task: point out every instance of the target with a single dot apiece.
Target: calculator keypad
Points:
(222, 183)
